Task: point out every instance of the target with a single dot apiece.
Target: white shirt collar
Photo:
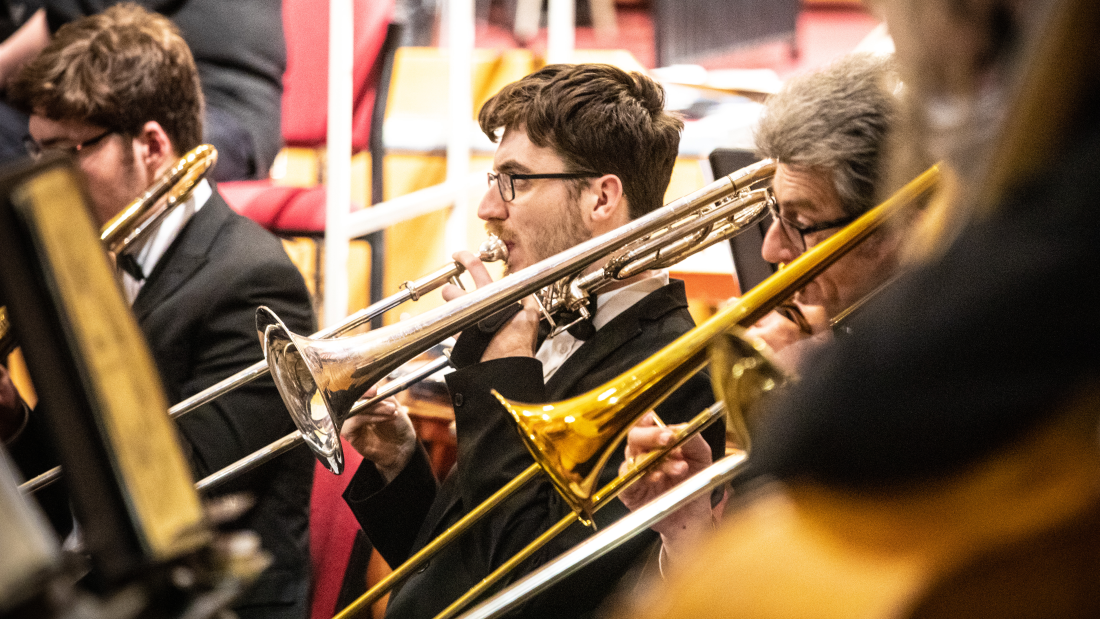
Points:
(555, 351)
(147, 253)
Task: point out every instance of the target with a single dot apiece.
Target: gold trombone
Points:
(572, 439)
(132, 223)
(731, 360)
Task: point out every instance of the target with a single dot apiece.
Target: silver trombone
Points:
(492, 250)
(320, 380)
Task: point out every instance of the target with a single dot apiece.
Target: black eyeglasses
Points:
(506, 183)
(36, 150)
(796, 233)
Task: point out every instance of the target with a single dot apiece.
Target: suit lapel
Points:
(623, 328)
(184, 257)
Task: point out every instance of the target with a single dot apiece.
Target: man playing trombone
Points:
(827, 131)
(583, 150)
(119, 92)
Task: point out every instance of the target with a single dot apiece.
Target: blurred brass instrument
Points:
(731, 361)
(139, 217)
(170, 190)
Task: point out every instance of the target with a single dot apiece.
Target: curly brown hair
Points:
(599, 119)
(117, 69)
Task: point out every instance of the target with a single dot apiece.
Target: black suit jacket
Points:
(197, 310)
(403, 516)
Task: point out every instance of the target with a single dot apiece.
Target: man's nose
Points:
(491, 205)
(777, 247)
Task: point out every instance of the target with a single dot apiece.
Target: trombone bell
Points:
(741, 374)
(572, 440)
(301, 394)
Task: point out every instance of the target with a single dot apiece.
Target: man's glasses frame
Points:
(797, 234)
(506, 183)
(36, 150)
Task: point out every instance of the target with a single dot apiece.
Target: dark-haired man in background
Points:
(239, 51)
(584, 149)
(119, 91)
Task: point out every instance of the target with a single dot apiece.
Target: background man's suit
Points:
(197, 310)
(404, 515)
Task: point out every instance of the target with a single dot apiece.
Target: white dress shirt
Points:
(148, 252)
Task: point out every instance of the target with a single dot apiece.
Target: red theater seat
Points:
(305, 84)
(286, 210)
(305, 108)
(332, 532)
(260, 201)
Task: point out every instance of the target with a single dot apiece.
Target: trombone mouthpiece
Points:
(493, 249)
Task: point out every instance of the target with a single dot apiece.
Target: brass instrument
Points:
(132, 223)
(572, 439)
(321, 380)
(171, 189)
(728, 361)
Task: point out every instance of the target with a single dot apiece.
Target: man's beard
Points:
(549, 240)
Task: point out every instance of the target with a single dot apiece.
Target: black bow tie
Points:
(584, 329)
(128, 263)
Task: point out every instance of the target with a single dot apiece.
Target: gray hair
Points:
(835, 120)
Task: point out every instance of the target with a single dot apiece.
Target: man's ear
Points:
(155, 149)
(611, 209)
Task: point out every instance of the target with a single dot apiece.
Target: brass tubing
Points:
(610, 538)
(411, 291)
(600, 499)
(134, 221)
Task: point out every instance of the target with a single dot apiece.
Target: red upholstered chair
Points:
(332, 533)
(305, 115)
(287, 210)
(305, 84)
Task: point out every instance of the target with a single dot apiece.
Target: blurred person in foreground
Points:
(828, 132)
(943, 460)
(582, 150)
(119, 92)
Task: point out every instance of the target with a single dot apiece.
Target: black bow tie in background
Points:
(128, 263)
